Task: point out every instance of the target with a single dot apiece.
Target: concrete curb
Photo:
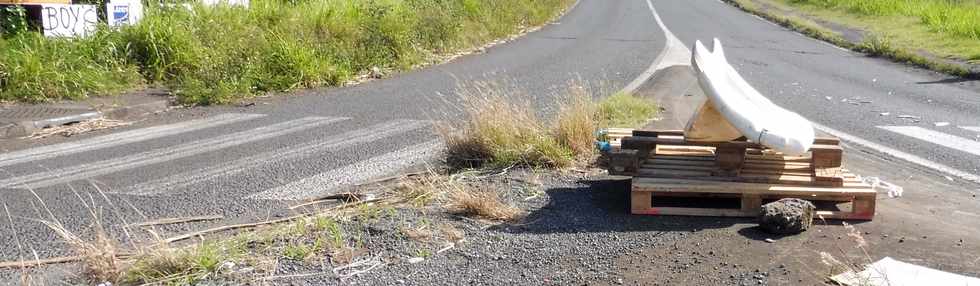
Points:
(17, 129)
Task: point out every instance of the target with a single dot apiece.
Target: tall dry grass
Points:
(501, 126)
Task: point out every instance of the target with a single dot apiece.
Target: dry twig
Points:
(78, 128)
(179, 220)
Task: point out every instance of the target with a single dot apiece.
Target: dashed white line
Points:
(84, 171)
(330, 181)
(183, 179)
(121, 138)
(938, 138)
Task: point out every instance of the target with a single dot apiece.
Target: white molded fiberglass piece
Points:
(757, 118)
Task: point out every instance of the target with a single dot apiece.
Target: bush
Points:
(219, 54)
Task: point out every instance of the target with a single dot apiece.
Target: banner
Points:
(61, 20)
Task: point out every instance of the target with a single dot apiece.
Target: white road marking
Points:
(192, 177)
(84, 171)
(851, 138)
(327, 182)
(971, 128)
(121, 138)
(898, 154)
(674, 53)
(936, 137)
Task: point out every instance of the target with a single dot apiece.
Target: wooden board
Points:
(646, 191)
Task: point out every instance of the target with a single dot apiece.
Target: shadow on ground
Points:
(602, 205)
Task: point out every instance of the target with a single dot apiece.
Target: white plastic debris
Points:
(885, 113)
(894, 191)
(414, 260)
(888, 271)
(941, 124)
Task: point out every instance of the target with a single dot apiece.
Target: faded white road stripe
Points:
(349, 175)
(84, 171)
(898, 154)
(971, 128)
(936, 137)
(370, 134)
(121, 138)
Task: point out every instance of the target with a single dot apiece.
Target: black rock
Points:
(787, 216)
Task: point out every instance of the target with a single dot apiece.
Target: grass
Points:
(522, 137)
(626, 110)
(209, 55)
(485, 137)
(930, 34)
(482, 203)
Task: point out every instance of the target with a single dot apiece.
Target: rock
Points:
(786, 216)
(376, 72)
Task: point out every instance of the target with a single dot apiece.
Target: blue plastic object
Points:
(603, 146)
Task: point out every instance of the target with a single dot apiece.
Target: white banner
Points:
(61, 20)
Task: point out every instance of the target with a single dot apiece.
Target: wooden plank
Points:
(655, 133)
(686, 185)
(826, 156)
(693, 212)
(751, 204)
(657, 161)
(640, 202)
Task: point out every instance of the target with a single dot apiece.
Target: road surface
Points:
(249, 163)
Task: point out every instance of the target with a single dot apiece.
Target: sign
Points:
(124, 12)
(60, 20)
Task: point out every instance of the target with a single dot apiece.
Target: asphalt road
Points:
(248, 163)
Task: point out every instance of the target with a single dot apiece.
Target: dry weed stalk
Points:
(482, 203)
(576, 124)
(99, 257)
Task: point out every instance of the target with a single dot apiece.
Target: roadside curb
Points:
(12, 128)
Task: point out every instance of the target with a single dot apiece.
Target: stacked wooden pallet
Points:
(674, 176)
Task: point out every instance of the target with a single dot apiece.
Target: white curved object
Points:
(751, 113)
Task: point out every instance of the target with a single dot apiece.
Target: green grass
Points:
(626, 110)
(892, 35)
(955, 18)
(222, 54)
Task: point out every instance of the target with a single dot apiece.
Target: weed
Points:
(423, 253)
(487, 136)
(876, 45)
(298, 251)
(577, 124)
(482, 203)
(99, 256)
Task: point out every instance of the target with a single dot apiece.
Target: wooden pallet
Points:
(665, 167)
